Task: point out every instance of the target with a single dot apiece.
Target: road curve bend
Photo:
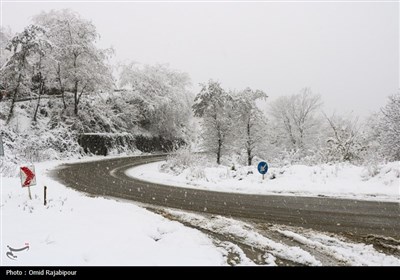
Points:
(360, 218)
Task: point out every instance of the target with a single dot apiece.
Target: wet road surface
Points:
(343, 216)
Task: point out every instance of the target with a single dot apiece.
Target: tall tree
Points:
(5, 36)
(18, 70)
(214, 105)
(79, 65)
(41, 71)
(162, 98)
(250, 122)
(295, 118)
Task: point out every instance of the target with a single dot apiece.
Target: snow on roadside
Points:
(348, 253)
(340, 180)
(248, 235)
(343, 251)
(240, 258)
(74, 229)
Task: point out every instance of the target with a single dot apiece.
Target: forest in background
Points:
(57, 84)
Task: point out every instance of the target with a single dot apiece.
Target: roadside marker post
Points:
(262, 168)
(45, 195)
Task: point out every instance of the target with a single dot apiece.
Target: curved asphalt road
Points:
(359, 218)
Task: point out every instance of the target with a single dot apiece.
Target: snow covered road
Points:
(343, 216)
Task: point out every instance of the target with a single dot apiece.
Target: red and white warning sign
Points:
(28, 176)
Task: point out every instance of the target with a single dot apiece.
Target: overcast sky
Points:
(347, 52)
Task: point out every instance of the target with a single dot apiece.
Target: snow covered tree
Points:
(79, 65)
(389, 128)
(162, 98)
(17, 72)
(214, 105)
(250, 122)
(295, 119)
(41, 63)
(345, 139)
(5, 36)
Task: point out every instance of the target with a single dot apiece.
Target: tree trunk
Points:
(63, 98)
(76, 98)
(301, 142)
(249, 156)
(41, 88)
(10, 114)
(76, 101)
(61, 86)
(36, 110)
(219, 151)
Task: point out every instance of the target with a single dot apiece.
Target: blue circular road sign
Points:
(262, 167)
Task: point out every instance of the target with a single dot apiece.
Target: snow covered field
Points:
(74, 229)
(338, 180)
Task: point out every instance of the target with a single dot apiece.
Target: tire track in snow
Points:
(271, 232)
(356, 254)
(267, 241)
(245, 234)
(237, 253)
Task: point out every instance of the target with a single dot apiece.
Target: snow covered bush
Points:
(295, 156)
(189, 164)
(388, 173)
(370, 170)
(346, 141)
(180, 160)
(196, 173)
(389, 128)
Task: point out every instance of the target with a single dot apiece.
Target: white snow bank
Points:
(249, 235)
(74, 229)
(339, 180)
(337, 248)
(349, 253)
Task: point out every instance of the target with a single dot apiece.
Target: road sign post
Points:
(262, 168)
(28, 178)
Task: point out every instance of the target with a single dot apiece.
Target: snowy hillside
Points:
(107, 121)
